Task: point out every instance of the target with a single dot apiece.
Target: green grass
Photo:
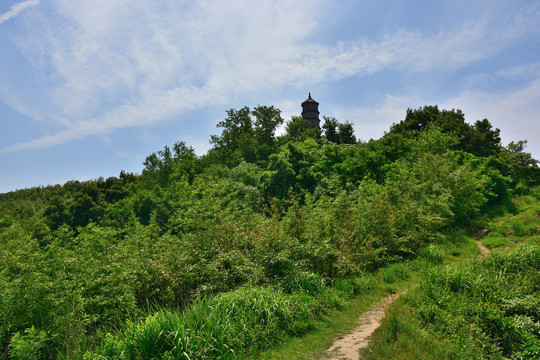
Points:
(227, 326)
(404, 338)
(496, 241)
(335, 323)
(388, 280)
(509, 231)
(218, 328)
(245, 323)
(488, 308)
(298, 318)
(477, 308)
(456, 247)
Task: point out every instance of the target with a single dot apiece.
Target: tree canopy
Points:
(479, 139)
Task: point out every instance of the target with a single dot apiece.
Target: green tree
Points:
(482, 139)
(422, 118)
(336, 132)
(291, 169)
(56, 212)
(267, 119)
(162, 166)
(158, 168)
(346, 133)
(237, 140)
(330, 128)
(479, 139)
(522, 167)
(83, 210)
(297, 129)
(186, 161)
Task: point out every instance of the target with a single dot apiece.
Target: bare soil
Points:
(348, 347)
(478, 236)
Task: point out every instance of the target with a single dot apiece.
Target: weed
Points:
(496, 240)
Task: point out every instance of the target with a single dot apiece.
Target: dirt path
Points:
(483, 249)
(348, 347)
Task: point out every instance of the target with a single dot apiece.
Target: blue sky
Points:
(90, 88)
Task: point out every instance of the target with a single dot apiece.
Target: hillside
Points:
(228, 254)
(483, 307)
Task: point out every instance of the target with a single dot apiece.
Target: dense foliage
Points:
(271, 218)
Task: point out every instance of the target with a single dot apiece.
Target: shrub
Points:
(485, 308)
(395, 272)
(28, 345)
(307, 282)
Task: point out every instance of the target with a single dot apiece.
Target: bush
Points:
(307, 282)
(28, 345)
(395, 272)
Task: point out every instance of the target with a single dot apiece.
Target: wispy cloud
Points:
(514, 111)
(527, 71)
(16, 9)
(415, 51)
(115, 63)
(163, 106)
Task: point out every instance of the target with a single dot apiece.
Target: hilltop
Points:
(227, 254)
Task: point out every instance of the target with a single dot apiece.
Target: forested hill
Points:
(283, 212)
(250, 158)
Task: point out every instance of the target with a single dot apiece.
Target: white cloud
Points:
(407, 50)
(514, 112)
(118, 63)
(110, 60)
(373, 122)
(526, 71)
(16, 9)
(159, 107)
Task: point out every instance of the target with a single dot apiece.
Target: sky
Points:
(90, 88)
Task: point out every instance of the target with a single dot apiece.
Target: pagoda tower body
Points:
(310, 112)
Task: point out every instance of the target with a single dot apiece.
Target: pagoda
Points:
(310, 112)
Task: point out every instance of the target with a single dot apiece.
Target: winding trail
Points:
(478, 237)
(348, 347)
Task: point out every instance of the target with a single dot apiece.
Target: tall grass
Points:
(508, 232)
(244, 321)
(485, 308)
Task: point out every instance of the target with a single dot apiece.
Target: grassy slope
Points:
(402, 335)
(454, 249)
(245, 322)
(477, 309)
(299, 336)
(334, 323)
